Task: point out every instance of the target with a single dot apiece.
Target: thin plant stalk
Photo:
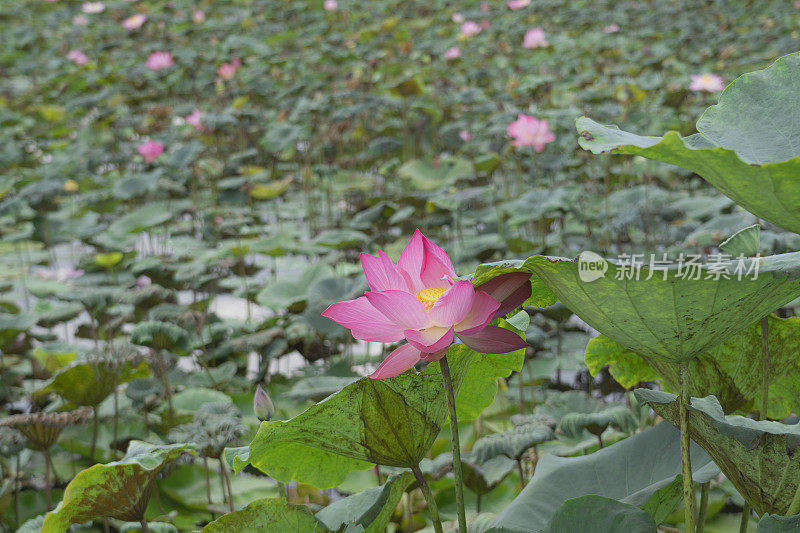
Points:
(224, 473)
(208, 483)
(764, 368)
(686, 461)
(521, 473)
(47, 495)
(145, 529)
(16, 492)
(745, 518)
(94, 434)
(451, 406)
(429, 499)
(600, 441)
(703, 509)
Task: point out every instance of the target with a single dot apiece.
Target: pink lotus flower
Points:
(227, 71)
(77, 57)
(159, 60)
(465, 135)
(530, 131)
(330, 5)
(706, 82)
(470, 28)
(452, 53)
(198, 16)
(458, 18)
(80, 20)
(518, 4)
(195, 119)
(419, 300)
(134, 22)
(484, 6)
(150, 151)
(93, 7)
(611, 28)
(485, 24)
(534, 38)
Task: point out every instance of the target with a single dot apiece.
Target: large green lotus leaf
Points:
(674, 319)
(118, 490)
(512, 443)
(747, 146)
(482, 477)
(604, 516)
(730, 371)
(89, 383)
(391, 421)
(370, 509)
(758, 457)
(634, 471)
(778, 524)
(270, 515)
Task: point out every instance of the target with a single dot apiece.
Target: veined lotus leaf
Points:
(90, 382)
(512, 443)
(747, 145)
(140, 219)
(634, 471)
(674, 319)
(756, 456)
(269, 515)
(370, 509)
(426, 176)
(481, 478)
(386, 421)
(607, 516)
(119, 490)
(624, 365)
(618, 416)
(778, 524)
(730, 371)
(744, 242)
(161, 336)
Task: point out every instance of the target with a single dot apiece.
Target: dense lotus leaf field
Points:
(260, 257)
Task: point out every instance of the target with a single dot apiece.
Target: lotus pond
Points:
(260, 260)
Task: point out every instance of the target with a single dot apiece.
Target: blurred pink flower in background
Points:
(195, 119)
(530, 131)
(534, 38)
(150, 150)
(611, 28)
(159, 60)
(80, 20)
(419, 300)
(485, 24)
(452, 53)
(485, 7)
(470, 28)
(706, 82)
(330, 5)
(93, 7)
(60, 274)
(465, 135)
(518, 4)
(458, 18)
(77, 57)
(134, 22)
(227, 71)
(198, 16)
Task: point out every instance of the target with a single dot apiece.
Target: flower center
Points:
(429, 296)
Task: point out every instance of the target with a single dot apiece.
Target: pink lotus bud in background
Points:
(159, 60)
(452, 53)
(134, 22)
(262, 405)
(77, 57)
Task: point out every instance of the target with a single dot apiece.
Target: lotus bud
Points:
(262, 405)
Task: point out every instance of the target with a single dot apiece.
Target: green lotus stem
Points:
(47, 496)
(145, 529)
(745, 518)
(224, 473)
(94, 434)
(701, 513)
(429, 499)
(764, 368)
(686, 460)
(451, 406)
(208, 482)
(521, 474)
